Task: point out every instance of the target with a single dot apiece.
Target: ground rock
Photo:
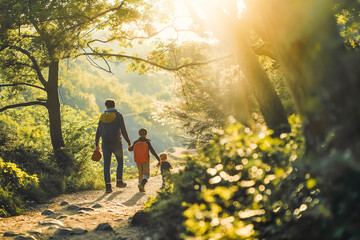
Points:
(72, 208)
(24, 237)
(141, 218)
(97, 206)
(64, 203)
(104, 227)
(50, 221)
(10, 234)
(47, 212)
(68, 231)
(86, 209)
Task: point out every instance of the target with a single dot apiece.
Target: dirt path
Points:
(82, 215)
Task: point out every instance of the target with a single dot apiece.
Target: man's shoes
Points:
(141, 188)
(120, 184)
(108, 188)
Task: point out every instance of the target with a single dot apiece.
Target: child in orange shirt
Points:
(141, 148)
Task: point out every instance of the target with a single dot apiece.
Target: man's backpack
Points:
(109, 127)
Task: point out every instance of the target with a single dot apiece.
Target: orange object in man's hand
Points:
(96, 156)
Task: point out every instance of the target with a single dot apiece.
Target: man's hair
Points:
(142, 132)
(163, 156)
(110, 103)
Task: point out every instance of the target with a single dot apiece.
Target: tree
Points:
(322, 74)
(206, 95)
(235, 32)
(37, 35)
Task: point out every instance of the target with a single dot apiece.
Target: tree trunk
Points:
(53, 106)
(269, 102)
(235, 33)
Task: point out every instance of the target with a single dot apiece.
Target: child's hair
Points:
(110, 103)
(142, 132)
(163, 156)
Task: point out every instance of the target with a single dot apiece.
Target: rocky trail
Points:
(84, 215)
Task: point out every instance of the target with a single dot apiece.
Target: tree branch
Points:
(29, 36)
(105, 60)
(27, 84)
(149, 36)
(264, 49)
(93, 63)
(90, 19)
(3, 47)
(23, 105)
(34, 62)
(153, 63)
(107, 11)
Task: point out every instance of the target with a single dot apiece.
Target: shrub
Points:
(16, 186)
(66, 170)
(246, 185)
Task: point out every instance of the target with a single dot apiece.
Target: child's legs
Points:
(163, 180)
(141, 172)
(146, 168)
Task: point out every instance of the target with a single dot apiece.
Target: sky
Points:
(183, 19)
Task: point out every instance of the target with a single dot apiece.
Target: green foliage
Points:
(348, 19)
(16, 187)
(231, 177)
(27, 144)
(247, 185)
(206, 95)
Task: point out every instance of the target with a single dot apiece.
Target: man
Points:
(110, 128)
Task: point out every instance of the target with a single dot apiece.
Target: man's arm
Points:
(131, 148)
(153, 151)
(123, 129)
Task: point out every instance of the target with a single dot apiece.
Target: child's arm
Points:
(153, 152)
(131, 148)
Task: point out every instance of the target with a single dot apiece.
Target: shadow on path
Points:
(111, 197)
(132, 201)
(114, 195)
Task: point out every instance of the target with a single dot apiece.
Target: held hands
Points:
(159, 164)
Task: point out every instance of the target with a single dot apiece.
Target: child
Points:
(165, 168)
(141, 149)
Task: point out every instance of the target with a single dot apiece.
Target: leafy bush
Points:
(248, 185)
(30, 150)
(16, 186)
(79, 135)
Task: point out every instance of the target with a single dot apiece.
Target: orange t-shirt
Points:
(141, 152)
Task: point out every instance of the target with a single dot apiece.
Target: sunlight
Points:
(181, 24)
(187, 14)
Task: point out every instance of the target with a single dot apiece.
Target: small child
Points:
(141, 148)
(165, 168)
